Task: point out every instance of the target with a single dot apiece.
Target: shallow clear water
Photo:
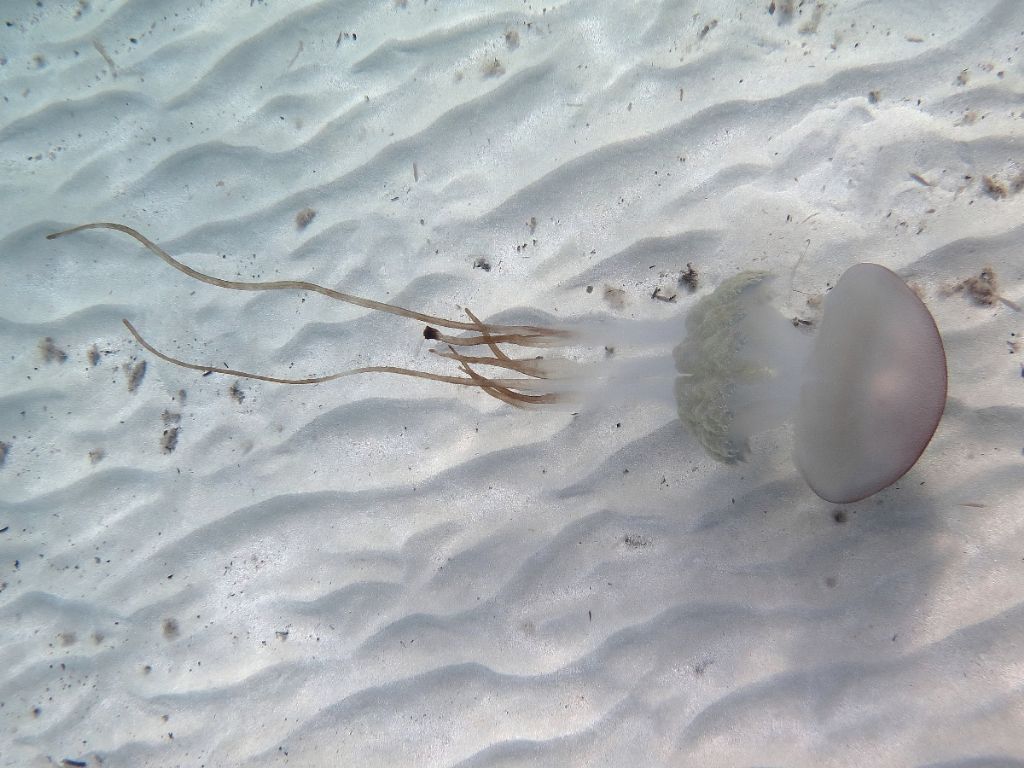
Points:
(377, 571)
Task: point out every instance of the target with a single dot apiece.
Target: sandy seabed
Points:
(204, 571)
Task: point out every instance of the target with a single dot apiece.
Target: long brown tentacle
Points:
(468, 382)
(490, 342)
(505, 394)
(526, 335)
(531, 367)
(506, 390)
(499, 393)
(518, 339)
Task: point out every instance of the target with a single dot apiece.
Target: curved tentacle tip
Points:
(70, 230)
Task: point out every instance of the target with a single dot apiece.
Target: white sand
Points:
(380, 571)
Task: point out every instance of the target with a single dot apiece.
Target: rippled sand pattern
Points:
(200, 571)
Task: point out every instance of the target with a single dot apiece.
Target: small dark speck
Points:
(482, 263)
(76, 763)
(493, 68)
(689, 278)
(136, 375)
(169, 440)
(171, 628)
(304, 218)
(636, 540)
(840, 516)
(51, 352)
(707, 28)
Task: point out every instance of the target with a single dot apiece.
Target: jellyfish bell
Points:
(874, 388)
(865, 393)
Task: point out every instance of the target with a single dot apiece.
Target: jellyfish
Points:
(864, 393)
